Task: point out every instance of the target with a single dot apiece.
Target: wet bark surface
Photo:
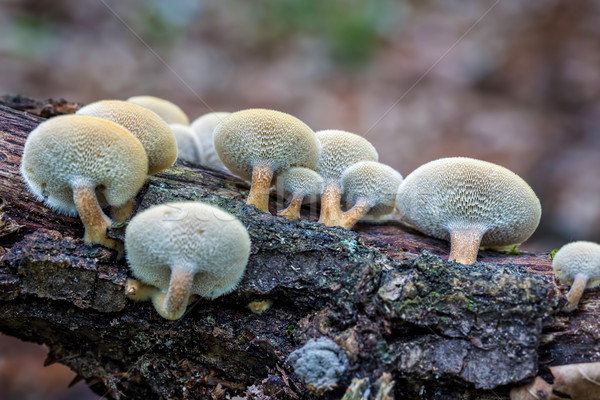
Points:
(384, 293)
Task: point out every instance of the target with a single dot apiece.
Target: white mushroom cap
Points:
(188, 146)
(577, 264)
(491, 205)
(187, 248)
(303, 184)
(170, 112)
(204, 127)
(258, 144)
(151, 130)
(373, 182)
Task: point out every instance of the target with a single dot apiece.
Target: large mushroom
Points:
(258, 144)
(471, 203)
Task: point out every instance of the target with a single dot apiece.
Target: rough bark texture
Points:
(384, 293)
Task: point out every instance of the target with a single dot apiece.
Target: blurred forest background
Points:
(508, 81)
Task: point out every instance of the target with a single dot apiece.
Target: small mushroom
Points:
(203, 128)
(369, 187)
(170, 112)
(258, 144)
(154, 134)
(301, 183)
(186, 248)
(577, 264)
(69, 160)
(188, 146)
(339, 150)
(469, 202)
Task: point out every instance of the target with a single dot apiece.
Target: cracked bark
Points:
(383, 292)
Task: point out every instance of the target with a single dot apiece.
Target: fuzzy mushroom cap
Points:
(204, 127)
(372, 181)
(188, 146)
(212, 244)
(151, 130)
(73, 147)
(170, 112)
(457, 193)
(578, 258)
(341, 149)
(258, 136)
(302, 181)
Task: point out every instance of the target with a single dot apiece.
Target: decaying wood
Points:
(384, 293)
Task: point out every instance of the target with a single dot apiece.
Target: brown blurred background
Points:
(512, 82)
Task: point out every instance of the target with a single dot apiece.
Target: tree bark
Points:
(384, 293)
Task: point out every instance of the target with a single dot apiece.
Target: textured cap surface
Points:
(210, 241)
(71, 147)
(579, 257)
(372, 181)
(151, 130)
(188, 146)
(253, 136)
(170, 112)
(204, 127)
(341, 149)
(453, 193)
(298, 180)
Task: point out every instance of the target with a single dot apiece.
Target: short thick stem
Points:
(96, 223)
(293, 210)
(355, 214)
(331, 212)
(262, 175)
(574, 295)
(464, 244)
(173, 304)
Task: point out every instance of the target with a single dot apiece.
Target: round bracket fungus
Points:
(186, 248)
(577, 264)
(369, 187)
(339, 150)
(154, 133)
(170, 112)
(469, 202)
(69, 160)
(188, 146)
(258, 144)
(301, 183)
(203, 128)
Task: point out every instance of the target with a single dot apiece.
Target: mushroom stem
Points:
(123, 212)
(293, 209)
(464, 245)
(577, 288)
(172, 304)
(137, 290)
(95, 222)
(331, 196)
(262, 174)
(353, 215)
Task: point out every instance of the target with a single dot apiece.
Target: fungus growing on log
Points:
(170, 112)
(203, 128)
(154, 133)
(258, 144)
(368, 187)
(339, 150)
(471, 203)
(188, 146)
(577, 264)
(301, 183)
(186, 248)
(70, 160)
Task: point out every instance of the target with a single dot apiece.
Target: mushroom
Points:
(470, 202)
(186, 248)
(577, 264)
(170, 112)
(203, 128)
(69, 160)
(301, 183)
(339, 150)
(154, 134)
(369, 187)
(258, 144)
(188, 146)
